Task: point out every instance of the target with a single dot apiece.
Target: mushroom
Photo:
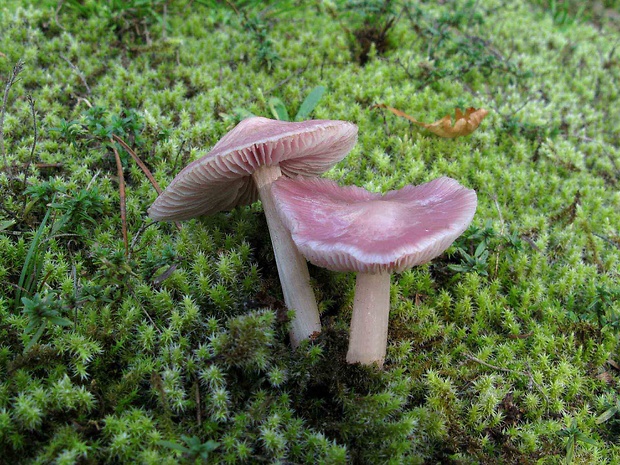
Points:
(351, 229)
(241, 168)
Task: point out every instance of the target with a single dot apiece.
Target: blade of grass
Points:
(6, 224)
(35, 337)
(174, 446)
(309, 103)
(278, 110)
(31, 255)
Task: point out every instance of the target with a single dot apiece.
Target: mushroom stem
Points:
(292, 267)
(369, 324)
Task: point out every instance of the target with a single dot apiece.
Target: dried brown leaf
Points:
(165, 275)
(464, 123)
(606, 377)
(614, 364)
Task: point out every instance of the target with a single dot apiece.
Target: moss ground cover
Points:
(172, 348)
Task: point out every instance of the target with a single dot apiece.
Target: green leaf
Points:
(310, 103)
(57, 320)
(35, 338)
(278, 110)
(210, 446)
(6, 224)
(480, 250)
(570, 450)
(458, 268)
(174, 446)
(192, 441)
(585, 439)
(32, 325)
(606, 415)
(30, 269)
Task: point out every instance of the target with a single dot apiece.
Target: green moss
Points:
(500, 356)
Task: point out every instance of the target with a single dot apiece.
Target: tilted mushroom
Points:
(351, 229)
(241, 168)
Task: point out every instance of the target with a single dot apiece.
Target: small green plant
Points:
(82, 208)
(69, 131)
(475, 259)
(114, 133)
(44, 191)
(42, 311)
(193, 449)
(75, 211)
(278, 109)
(513, 240)
(476, 262)
(454, 50)
(574, 435)
(484, 234)
(371, 22)
(514, 126)
(256, 17)
(265, 52)
(598, 308)
(33, 264)
(127, 123)
(603, 301)
(564, 13)
(98, 125)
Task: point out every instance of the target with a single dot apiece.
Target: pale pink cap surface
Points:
(351, 229)
(221, 179)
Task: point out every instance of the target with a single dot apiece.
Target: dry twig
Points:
(36, 133)
(197, 393)
(58, 8)
(121, 183)
(34, 146)
(143, 167)
(78, 72)
(136, 236)
(507, 370)
(9, 83)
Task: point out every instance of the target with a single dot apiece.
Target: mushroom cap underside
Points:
(222, 179)
(352, 229)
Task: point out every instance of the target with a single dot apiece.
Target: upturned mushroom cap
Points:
(221, 179)
(351, 229)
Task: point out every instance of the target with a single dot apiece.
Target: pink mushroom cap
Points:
(221, 179)
(352, 229)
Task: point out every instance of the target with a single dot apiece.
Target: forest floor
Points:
(123, 340)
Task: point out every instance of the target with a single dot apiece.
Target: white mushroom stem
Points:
(369, 324)
(292, 267)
